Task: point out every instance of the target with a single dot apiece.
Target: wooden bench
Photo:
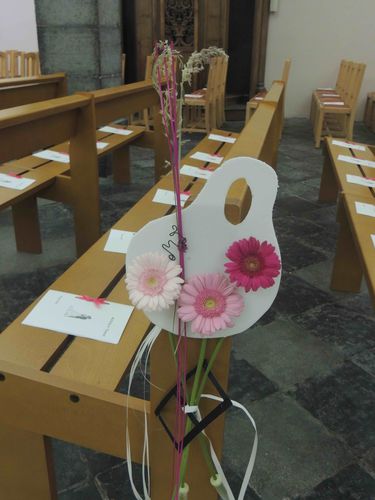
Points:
(333, 179)
(355, 250)
(54, 385)
(109, 104)
(19, 91)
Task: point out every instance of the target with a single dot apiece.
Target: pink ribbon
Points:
(13, 174)
(97, 301)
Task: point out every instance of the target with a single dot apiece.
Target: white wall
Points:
(317, 34)
(18, 25)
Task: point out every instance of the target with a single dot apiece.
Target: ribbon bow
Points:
(97, 301)
(13, 174)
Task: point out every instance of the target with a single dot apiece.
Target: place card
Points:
(361, 181)
(207, 157)
(222, 138)
(194, 96)
(118, 241)
(356, 161)
(259, 98)
(101, 145)
(365, 209)
(357, 147)
(195, 172)
(325, 88)
(115, 130)
(48, 154)
(373, 239)
(168, 197)
(334, 103)
(80, 315)
(330, 95)
(13, 182)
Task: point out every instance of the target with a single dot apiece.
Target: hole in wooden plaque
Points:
(74, 398)
(237, 201)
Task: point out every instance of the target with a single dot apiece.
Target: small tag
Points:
(114, 130)
(190, 409)
(101, 145)
(373, 239)
(201, 173)
(206, 157)
(48, 154)
(358, 147)
(361, 181)
(356, 161)
(167, 197)
(15, 182)
(118, 241)
(365, 209)
(222, 138)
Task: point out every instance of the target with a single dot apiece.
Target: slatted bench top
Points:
(45, 172)
(363, 230)
(99, 274)
(339, 169)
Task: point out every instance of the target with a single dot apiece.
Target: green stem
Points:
(210, 364)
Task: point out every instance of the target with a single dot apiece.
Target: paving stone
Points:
(285, 353)
(295, 450)
(344, 402)
(351, 483)
(339, 325)
(246, 382)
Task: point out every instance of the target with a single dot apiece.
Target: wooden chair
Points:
(253, 103)
(15, 63)
(3, 65)
(369, 116)
(334, 115)
(19, 91)
(206, 101)
(47, 391)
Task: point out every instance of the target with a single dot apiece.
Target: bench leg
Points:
(318, 128)
(347, 270)
(163, 377)
(328, 186)
(26, 226)
(121, 165)
(26, 470)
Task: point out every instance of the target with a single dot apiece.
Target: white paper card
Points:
(48, 154)
(114, 130)
(222, 138)
(168, 197)
(325, 88)
(8, 181)
(373, 239)
(365, 209)
(258, 98)
(356, 161)
(330, 95)
(207, 157)
(195, 171)
(118, 241)
(101, 145)
(350, 145)
(67, 313)
(194, 96)
(334, 103)
(362, 181)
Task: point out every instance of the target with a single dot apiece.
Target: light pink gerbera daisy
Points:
(153, 282)
(210, 302)
(254, 264)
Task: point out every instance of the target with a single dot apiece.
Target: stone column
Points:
(82, 38)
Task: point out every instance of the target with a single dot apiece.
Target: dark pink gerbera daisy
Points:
(254, 264)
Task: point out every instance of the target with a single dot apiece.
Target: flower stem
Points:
(210, 364)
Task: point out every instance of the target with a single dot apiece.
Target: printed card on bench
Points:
(356, 161)
(362, 181)
(343, 144)
(115, 130)
(373, 239)
(12, 182)
(207, 157)
(365, 209)
(201, 173)
(68, 313)
(48, 154)
(168, 197)
(118, 241)
(334, 103)
(222, 138)
(101, 145)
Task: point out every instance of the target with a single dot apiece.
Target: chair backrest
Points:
(15, 63)
(3, 65)
(354, 84)
(286, 69)
(342, 75)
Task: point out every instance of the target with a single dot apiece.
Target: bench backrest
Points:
(19, 91)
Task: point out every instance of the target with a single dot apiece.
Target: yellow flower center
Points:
(252, 264)
(209, 303)
(152, 281)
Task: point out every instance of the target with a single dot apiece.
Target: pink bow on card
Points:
(13, 174)
(97, 301)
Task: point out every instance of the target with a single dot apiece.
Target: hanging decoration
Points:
(197, 275)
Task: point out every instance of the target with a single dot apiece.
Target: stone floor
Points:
(306, 371)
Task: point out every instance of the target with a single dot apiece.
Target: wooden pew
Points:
(355, 250)
(54, 385)
(19, 91)
(25, 129)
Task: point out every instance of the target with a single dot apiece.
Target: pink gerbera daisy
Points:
(254, 264)
(153, 282)
(210, 302)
